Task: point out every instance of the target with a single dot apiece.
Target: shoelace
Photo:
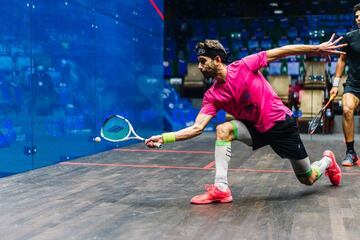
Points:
(210, 188)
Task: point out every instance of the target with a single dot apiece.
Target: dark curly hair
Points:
(213, 44)
(356, 8)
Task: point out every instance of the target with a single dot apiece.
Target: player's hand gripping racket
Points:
(315, 122)
(117, 129)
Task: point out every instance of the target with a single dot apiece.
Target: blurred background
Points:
(66, 65)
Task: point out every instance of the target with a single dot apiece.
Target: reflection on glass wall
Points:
(65, 66)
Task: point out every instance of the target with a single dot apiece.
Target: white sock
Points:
(222, 159)
(321, 165)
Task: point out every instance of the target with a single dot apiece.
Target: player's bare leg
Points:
(350, 103)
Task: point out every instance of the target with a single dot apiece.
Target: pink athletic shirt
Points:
(246, 94)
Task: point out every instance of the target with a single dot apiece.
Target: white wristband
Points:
(336, 81)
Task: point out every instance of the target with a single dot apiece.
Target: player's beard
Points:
(209, 72)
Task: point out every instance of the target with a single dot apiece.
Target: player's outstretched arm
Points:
(196, 129)
(325, 48)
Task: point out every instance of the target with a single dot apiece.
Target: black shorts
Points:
(283, 138)
(355, 90)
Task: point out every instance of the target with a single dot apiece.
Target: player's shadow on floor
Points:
(240, 200)
(306, 193)
(289, 196)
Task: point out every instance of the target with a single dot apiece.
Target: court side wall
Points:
(65, 66)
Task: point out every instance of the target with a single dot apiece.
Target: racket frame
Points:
(131, 130)
(311, 130)
(320, 115)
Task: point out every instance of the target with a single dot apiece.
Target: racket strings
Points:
(314, 123)
(116, 128)
(318, 120)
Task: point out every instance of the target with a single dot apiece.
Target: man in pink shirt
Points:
(261, 118)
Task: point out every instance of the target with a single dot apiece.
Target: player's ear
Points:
(217, 59)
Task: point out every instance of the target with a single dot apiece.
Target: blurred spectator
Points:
(11, 91)
(44, 95)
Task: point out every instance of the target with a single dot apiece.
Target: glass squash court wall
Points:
(65, 66)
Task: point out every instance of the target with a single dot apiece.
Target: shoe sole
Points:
(355, 163)
(225, 200)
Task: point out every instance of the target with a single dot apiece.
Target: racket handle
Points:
(158, 145)
(332, 97)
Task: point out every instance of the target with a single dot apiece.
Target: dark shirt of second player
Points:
(353, 57)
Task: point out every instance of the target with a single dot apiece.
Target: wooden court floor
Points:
(136, 193)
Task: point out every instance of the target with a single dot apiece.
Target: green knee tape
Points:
(307, 174)
(222, 143)
(235, 129)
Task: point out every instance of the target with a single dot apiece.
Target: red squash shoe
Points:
(333, 171)
(212, 194)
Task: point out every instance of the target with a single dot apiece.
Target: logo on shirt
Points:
(247, 95)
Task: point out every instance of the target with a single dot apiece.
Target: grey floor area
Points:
(137, 194)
